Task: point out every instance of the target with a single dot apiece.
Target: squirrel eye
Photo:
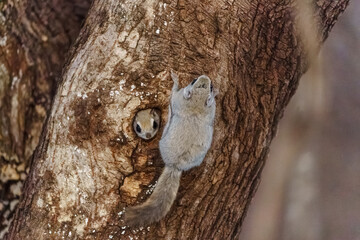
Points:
(138, 128)
(192, 83)
(155, 125)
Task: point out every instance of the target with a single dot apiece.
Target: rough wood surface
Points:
(90, 164)
(34, 38)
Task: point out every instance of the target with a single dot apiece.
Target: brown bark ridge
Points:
(90, 164)
(35, 37)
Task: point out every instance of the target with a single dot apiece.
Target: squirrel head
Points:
(199, 95)
(146, 123)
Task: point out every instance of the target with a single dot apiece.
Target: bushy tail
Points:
(160, 201)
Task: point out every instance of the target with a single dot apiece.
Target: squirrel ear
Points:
(187, 93)
(210, 101)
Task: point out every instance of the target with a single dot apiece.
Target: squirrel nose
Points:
(148, 135)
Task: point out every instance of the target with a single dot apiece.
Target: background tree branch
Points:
(35, 37)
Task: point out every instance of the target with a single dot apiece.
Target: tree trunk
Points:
(35, 37)
(90, 164)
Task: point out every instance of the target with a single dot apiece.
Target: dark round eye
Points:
(155, 125)
(192, 83)
(138, 128)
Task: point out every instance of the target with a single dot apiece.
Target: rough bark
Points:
(35, 37)
(90, 164)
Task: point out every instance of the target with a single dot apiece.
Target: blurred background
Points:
(310, 187)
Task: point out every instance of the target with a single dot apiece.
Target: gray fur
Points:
(160, 201)
(185, 141)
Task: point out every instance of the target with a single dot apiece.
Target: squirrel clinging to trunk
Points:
(184, 143)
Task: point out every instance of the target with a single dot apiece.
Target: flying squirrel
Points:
(146, 123)
(184, 143)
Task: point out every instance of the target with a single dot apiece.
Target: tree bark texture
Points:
(90, 164)
(35, 37)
